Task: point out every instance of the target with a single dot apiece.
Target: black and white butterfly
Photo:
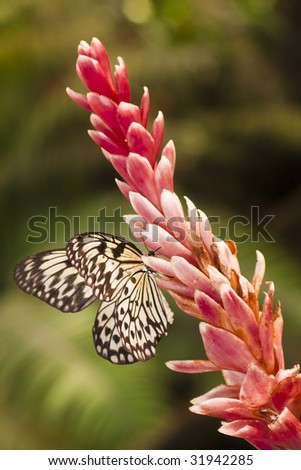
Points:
(133, 315)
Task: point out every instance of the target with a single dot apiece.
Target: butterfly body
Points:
(133, 314)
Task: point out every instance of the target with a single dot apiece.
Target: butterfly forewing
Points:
(50, 276)
(104, 261)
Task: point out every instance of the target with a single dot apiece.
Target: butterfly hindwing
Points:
(135, 316)
(140, 315)
(50, 276)
(107, 340)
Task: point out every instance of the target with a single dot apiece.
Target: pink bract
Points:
(260, 400)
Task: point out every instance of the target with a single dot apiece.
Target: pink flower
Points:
(260, 399)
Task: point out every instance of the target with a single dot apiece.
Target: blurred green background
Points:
(227, 75)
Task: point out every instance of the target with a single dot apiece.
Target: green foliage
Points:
(226, 74)
(54, 384)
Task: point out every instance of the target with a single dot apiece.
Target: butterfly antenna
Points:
(152, 252)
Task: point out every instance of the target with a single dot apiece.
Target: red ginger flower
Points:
(260, 399)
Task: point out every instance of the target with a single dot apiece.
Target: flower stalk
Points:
(260, 399)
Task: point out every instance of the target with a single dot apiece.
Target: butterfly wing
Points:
(142, 315)
(104, 261)
(50, 276)
(137, 320)
(107, 340)
(133, 315)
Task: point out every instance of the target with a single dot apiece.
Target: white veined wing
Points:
(133, 315)
(50, 276)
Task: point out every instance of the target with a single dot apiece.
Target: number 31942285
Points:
(221, 459)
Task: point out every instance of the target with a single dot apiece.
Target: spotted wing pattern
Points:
(104, 261)
(50, 276)
(133, 315)
(128, 328)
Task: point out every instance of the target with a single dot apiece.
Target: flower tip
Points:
(120, 68)
(170, 152)
(123, 88)
(120, 61)
(160, 115)
(195, 409)
(259, 271)
(78, 98)
(96, 41)
(83, 47)
(170, 365)
(72, 94)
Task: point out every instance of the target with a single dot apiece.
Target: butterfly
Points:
(133, 314)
